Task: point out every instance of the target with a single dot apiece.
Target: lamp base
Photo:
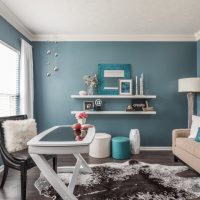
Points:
(190, 97)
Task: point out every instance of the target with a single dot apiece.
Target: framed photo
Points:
(88, 105)
(125, 86)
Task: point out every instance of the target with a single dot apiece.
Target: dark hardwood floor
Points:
(11, 189)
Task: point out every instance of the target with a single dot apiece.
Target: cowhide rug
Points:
(131, 180)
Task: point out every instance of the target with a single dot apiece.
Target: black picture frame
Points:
(88, 105)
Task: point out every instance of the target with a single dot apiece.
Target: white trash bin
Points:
(100, 146)
(134, 137)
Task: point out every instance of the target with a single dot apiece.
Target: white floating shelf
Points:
(113, 96)
(117, 112)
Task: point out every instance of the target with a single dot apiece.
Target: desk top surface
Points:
(61, 136)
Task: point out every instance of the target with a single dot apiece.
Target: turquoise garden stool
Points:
(120, 148)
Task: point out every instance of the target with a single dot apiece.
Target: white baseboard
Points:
(1, 168)
(155, 148)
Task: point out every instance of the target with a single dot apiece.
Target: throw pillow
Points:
(195, 126)
(17, 133)
(197, 139)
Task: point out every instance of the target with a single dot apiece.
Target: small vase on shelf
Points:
(90, 90)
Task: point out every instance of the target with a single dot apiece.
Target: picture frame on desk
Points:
(88, 105)
(125, 86)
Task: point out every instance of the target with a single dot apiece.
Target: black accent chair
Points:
(19, 160)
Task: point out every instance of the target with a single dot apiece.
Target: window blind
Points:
(9, 80)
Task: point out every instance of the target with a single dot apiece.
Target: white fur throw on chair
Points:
(17, 133)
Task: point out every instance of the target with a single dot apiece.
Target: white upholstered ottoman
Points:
(100, 147)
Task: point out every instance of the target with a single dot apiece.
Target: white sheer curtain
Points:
(26, 79)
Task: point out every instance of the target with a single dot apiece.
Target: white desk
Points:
(43, 144)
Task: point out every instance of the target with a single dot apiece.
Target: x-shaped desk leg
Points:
(65, 192)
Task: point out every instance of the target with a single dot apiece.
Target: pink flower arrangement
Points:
(81, 115)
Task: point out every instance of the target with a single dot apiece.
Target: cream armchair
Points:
(186, 149)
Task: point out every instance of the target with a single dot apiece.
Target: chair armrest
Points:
(179, 133)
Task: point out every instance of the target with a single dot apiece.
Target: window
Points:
(9, 80)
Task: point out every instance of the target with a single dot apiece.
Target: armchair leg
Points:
(5, 174)
(23, 182)
(55, 164)
(175, 158)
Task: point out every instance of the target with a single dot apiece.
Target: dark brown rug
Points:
(131, 180)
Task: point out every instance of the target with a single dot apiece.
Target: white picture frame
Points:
(125, 87)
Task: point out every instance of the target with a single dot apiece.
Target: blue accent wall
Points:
(11, 36)
(162, 63)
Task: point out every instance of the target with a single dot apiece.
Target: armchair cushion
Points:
(17, 133)
(189, 145)
(195, 126)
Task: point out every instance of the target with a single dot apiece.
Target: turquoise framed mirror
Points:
(109, 75)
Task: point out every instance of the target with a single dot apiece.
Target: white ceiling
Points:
(106, 19)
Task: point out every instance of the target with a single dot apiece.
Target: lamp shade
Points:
(189, 84)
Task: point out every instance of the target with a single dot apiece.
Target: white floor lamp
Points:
(191, 86)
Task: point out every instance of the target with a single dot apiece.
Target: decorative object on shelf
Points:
(139, 104)
(52, 60)
(125, 86)
(82, 93)
(109, 75)
(88, 105)
(98, 105)
(134, 137)
(191, 86)
(90, 90)
(141, 84)
(147, 108)
(91, 81)
(129, 108)
(136, 85)
(81, 117)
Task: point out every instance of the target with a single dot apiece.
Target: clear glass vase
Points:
(82, 121)
(90, 90)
